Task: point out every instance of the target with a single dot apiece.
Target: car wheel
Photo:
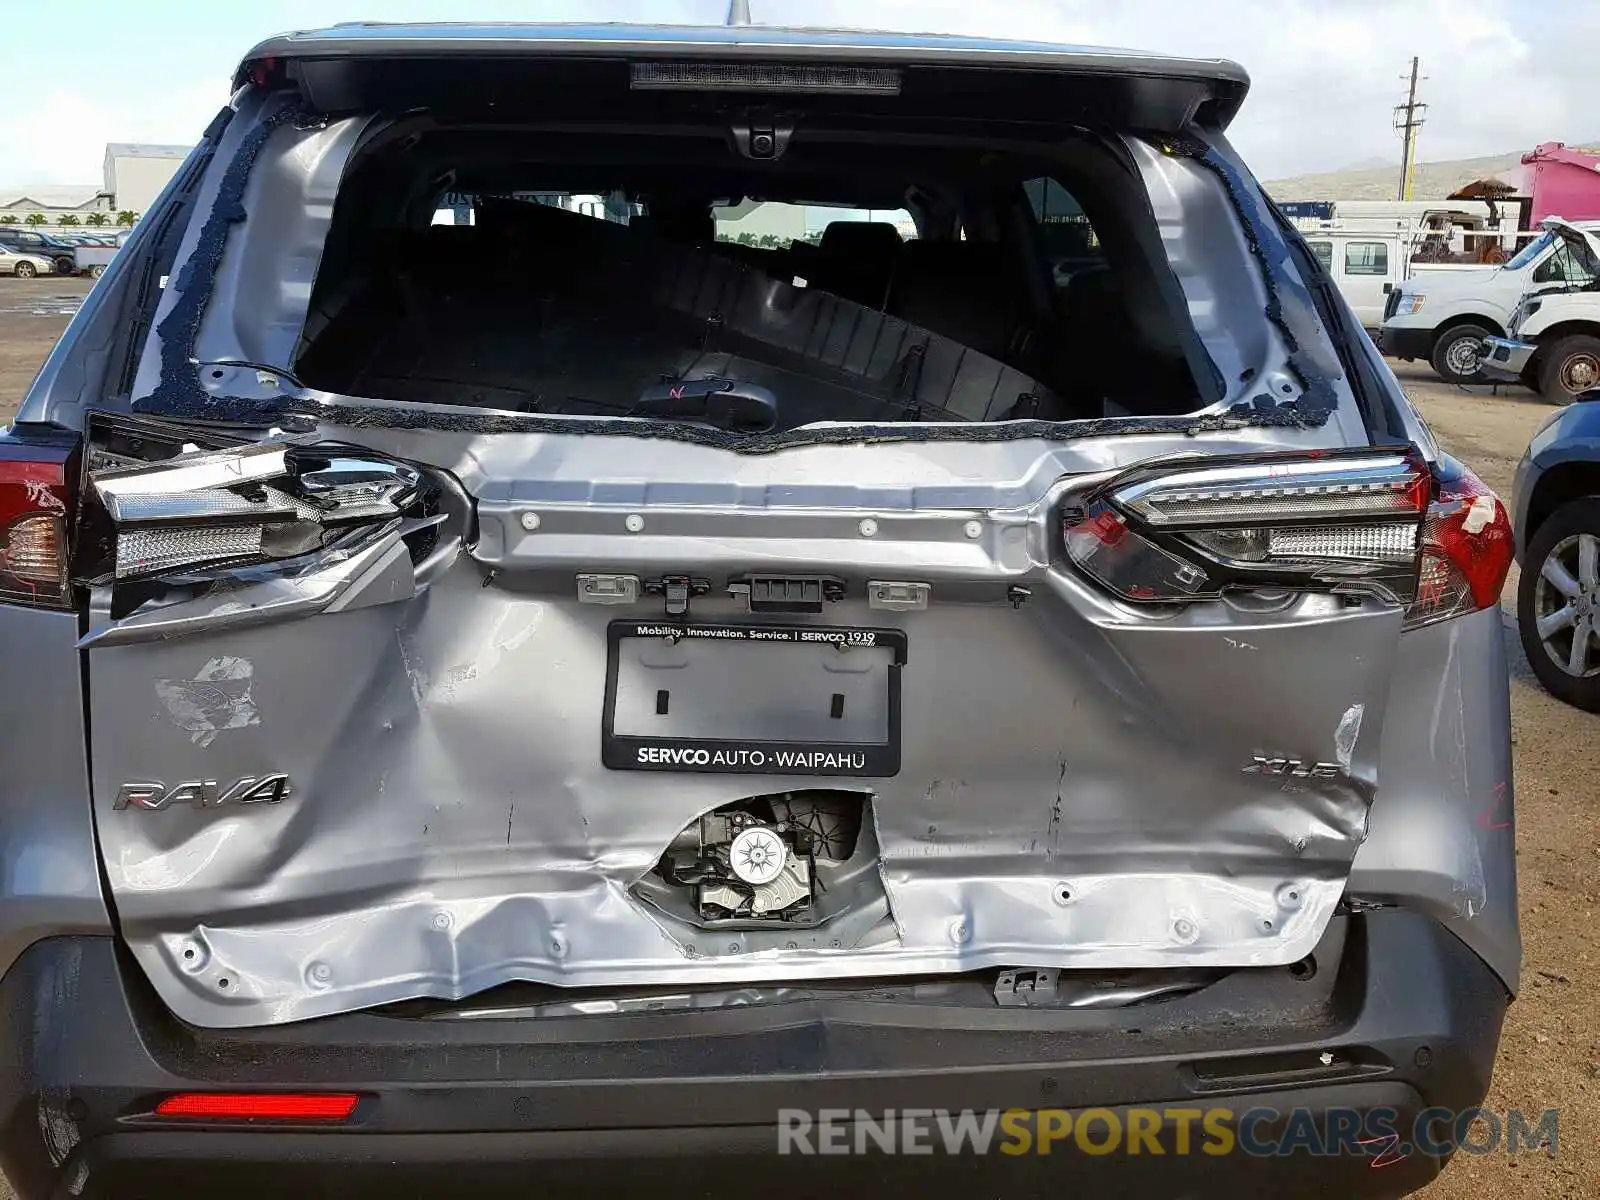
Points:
(1569, 367)
(1458, 354)
(1558, 604)
(25, 270)
(66, 266)
(97, 270)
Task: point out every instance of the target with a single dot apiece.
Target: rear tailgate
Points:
(422, 698)
(383, 774)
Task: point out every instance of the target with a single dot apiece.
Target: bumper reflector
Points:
(264, 1106)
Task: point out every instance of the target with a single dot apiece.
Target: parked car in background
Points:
(1444, 318)
(44, 245)
(24, 266)
(92, 258)
(1556, 511)
(529, 726)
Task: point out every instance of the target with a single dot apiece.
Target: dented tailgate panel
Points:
(399, 792)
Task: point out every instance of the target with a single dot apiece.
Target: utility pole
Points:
(738, 12)
(1408, 118)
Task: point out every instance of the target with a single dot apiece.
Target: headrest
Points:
(875, 239)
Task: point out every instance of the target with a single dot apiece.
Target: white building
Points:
(53, 201)
(135, 174)
(134, 177)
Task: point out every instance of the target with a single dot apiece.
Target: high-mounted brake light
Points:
(36, 502)
(764, 77)
(259, 1106)
(1346, 521)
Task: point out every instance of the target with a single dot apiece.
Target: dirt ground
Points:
(1550, 1054)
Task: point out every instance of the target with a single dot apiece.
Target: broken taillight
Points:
(1467, 547)
(1436, 541)
(1345, 521)
(36, 502)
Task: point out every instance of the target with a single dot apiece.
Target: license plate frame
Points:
(754, 756)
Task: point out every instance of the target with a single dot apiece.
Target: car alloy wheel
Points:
(1566, 601)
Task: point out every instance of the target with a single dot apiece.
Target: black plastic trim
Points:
(691, 1098)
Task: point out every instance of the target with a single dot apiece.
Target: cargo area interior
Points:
(1015, 285)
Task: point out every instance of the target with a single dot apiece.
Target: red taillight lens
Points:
(263, 1106)
(35, 514)
(1467, 548)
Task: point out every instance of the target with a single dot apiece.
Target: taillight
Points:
(1467, 547)
(259, 1106)
(1335, 521)
(36, 504)
(1373, 521)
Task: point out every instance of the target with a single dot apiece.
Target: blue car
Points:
(1557, 516)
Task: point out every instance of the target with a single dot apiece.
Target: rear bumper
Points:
(1401, 342)
(1505, 360)
(696, 1101)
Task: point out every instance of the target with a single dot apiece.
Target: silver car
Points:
(24, 266)
(599, 716)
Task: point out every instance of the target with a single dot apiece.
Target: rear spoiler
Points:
(353, 67)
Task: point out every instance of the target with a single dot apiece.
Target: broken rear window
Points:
(624, 273)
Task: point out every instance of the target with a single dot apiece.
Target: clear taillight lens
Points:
(1328, 521)
(35, 513)
(1285, 489)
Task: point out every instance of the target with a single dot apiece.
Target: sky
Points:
(1501, 75)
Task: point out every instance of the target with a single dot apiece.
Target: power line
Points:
(1408, 118)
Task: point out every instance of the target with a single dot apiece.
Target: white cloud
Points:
(1327, 74)
(61, 137)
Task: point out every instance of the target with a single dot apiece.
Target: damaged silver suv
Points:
(582, 601)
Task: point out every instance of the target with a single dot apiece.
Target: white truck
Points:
(1372, 247)
(1444, 318)
(1552, 340)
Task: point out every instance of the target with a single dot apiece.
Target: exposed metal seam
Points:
(1318, 401)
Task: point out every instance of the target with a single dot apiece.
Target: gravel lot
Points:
(1550, 1055)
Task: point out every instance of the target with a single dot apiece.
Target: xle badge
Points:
(202, 793)
(1293, 767)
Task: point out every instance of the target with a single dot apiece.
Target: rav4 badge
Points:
(202, 793)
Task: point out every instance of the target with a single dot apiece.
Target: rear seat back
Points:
(856, 260)
(963, 290)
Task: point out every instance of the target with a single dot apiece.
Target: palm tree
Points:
(95, 218)
(67, 221)
(8, 219)
(125, 218)
(34, 219)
